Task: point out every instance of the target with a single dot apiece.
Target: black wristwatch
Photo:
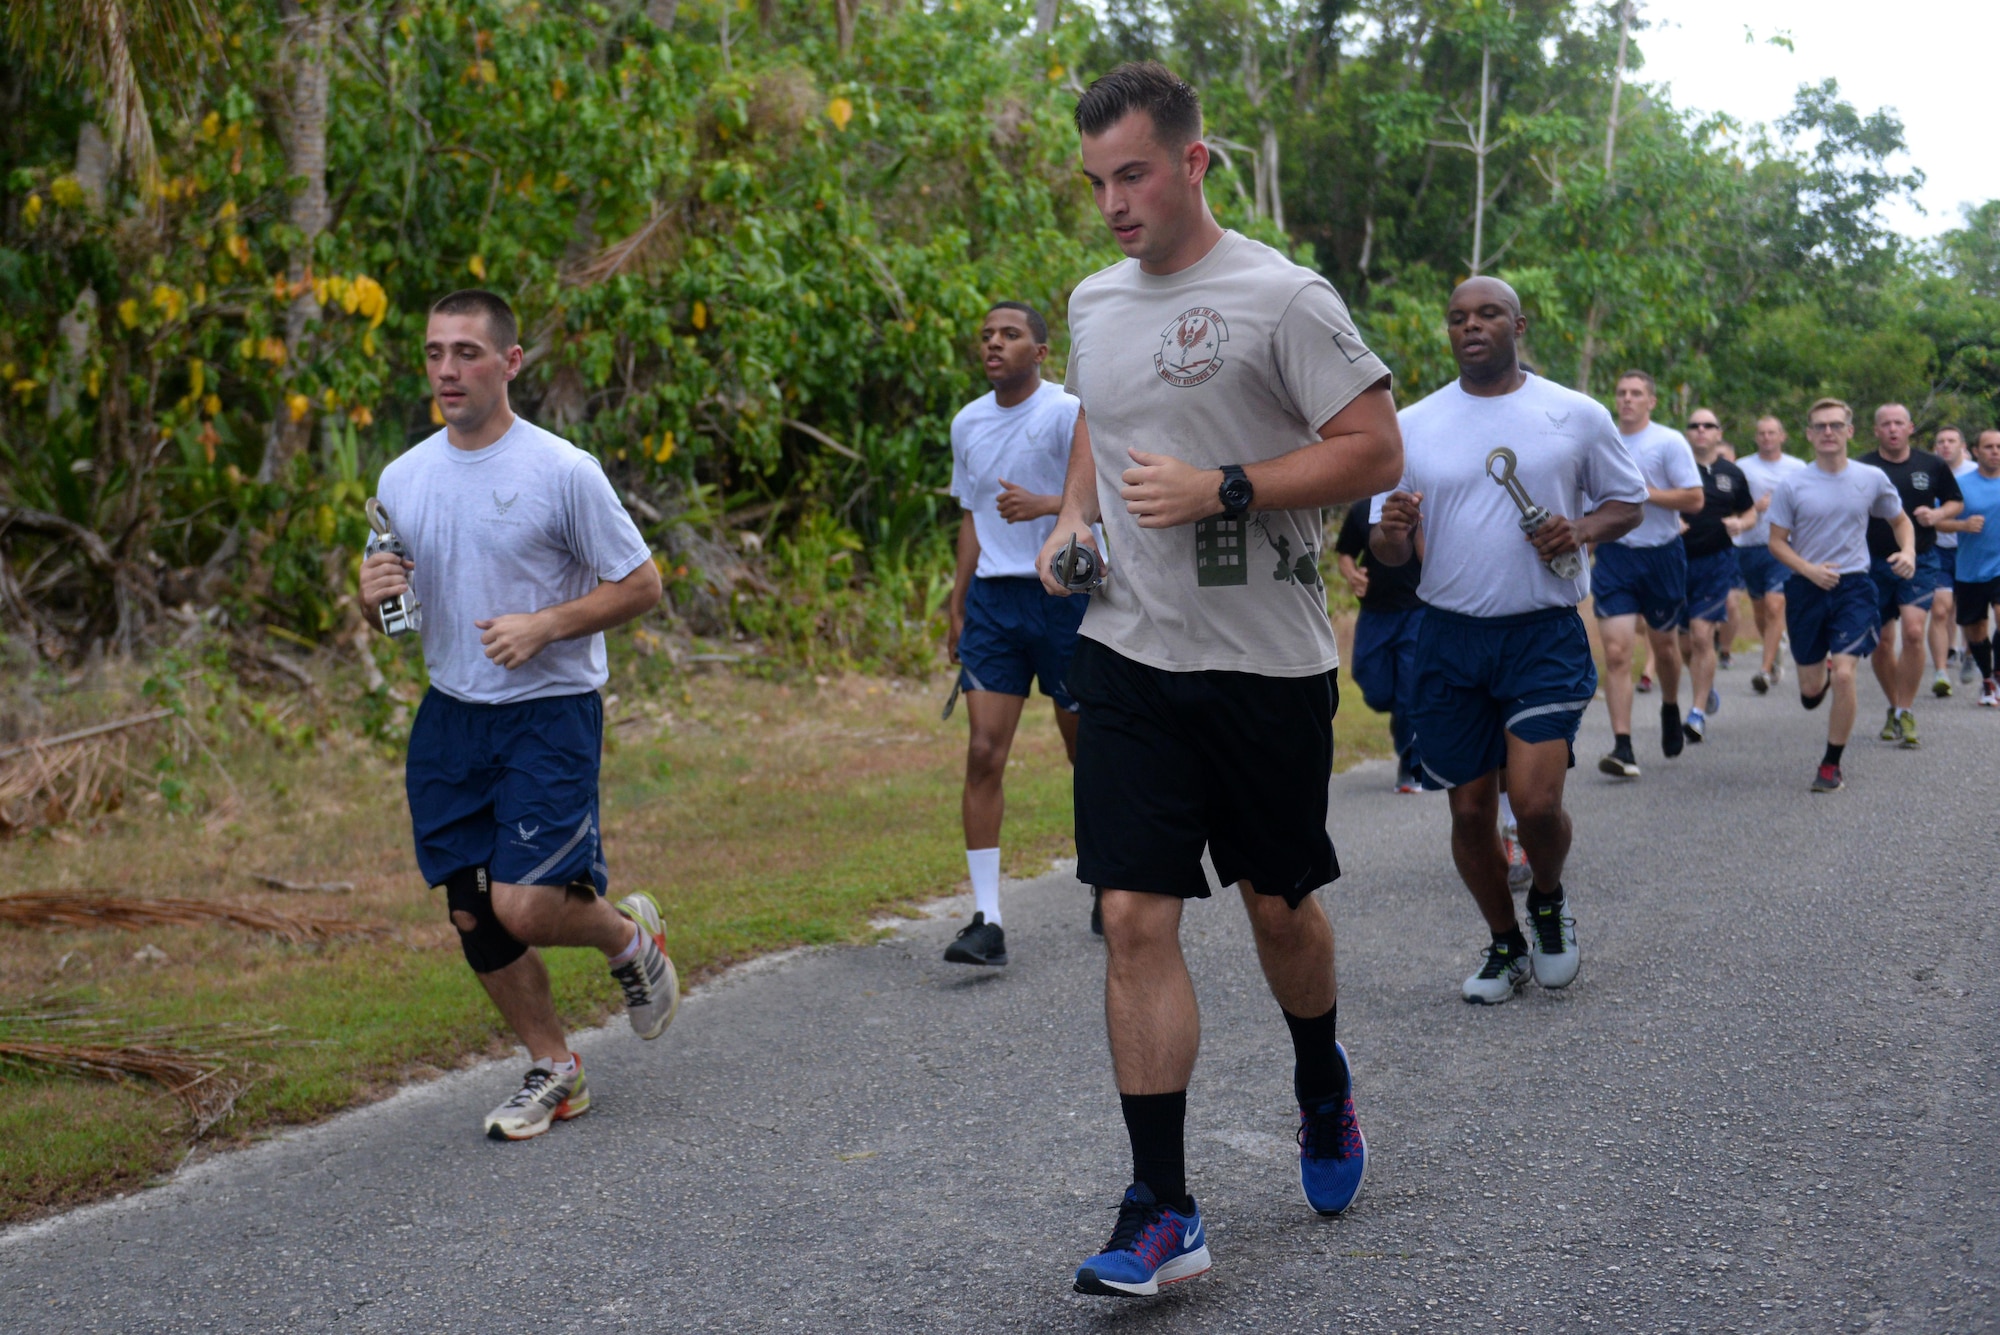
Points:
(1235, 492)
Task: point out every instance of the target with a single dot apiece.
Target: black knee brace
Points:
(1814, 701)
(489, 947)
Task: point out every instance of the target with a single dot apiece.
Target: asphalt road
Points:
(1768, 1104)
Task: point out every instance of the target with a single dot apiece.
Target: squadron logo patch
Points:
(1191, 347)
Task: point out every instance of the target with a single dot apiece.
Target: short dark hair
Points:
(1143, 85)
(500, 321)
(1623, 376)
(1038, 328)
(1952, 427)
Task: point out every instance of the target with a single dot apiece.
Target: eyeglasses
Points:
(1704, 426)
(1824, 427)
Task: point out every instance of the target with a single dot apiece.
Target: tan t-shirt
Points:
(1238, 358)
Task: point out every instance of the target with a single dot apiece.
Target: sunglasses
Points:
(1823, 427)
(1704, 426)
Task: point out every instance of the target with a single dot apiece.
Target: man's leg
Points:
(1943, 614)
(1620, 634)
(1843, 707)
(1154, 1026)
(1066, 725)
(1771, 628)
(520, 992)
(1910, 653)
(1477, 852)
(993, 717)
(1295, 946)
(1536, 774)
(1701, 662)
(1667, 663)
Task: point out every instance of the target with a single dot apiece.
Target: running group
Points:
(1144, 541)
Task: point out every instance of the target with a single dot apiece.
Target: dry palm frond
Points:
(94, 908)
(654, 244)
(60, 779)
(79, 1041)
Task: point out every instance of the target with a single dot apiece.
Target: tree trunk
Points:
(301, 104)
(1479, 154)
(1045, 16)
(1267, 162)
(844, 14)
(662, 12)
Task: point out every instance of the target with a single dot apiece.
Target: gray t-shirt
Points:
(1666, 461)
(1568, 457)
(1826, 514)
(526, 523)
(1239, 358)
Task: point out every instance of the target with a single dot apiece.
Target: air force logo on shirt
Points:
(1725, 483)
(1920, 482)
(1191, 347)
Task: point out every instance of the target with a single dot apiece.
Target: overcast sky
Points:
(1936, 62)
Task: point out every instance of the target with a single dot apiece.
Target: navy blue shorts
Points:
(1710, 581)
(512, 788)
(1481, 678)
(1763, 573)
(1640, 581)
(1385, 658)
(1947, 566)
(1016, 632)
(1893, 592)
(1841, 620)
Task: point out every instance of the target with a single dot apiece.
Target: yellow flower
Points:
(128, 312)
(169, 300)
(666, 450)
(840, 111)
(197, 376)
(1055, 71)
(361, 416)
(699, 315)
(211, 404)
(368, 344)
(66, 191)
(330, 399)
(210, 124)
(478, 266)
(90, 382)
(273, 351)
(238, 248)
(227, 211)
(31, 210)
(298, 405)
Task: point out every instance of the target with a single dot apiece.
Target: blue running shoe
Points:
(1333, 1154)
(1153, 1245)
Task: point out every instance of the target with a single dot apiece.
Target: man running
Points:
(1385, 637)
(1978, 577)
(1763, 578)
(1226, 398)
(1929, 493)
(1948, 444)
(1009, 452)
(1819, 517)
(521, 558)
(1711, 564)
(1503, 664)
(1645, 574)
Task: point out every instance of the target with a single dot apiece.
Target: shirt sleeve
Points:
(960, 484)
(1780, 512)
(602, 536)
(1948, 489)
(1741, 497)
(1677, 462)
(1610, 473)
(1321, 361)
(1353, 537)
(1888, 502)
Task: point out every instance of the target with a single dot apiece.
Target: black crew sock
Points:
(1157, 1125)
(1513, 939)
(1833, 753)
(1621, 746)
(1538, 900)
(1982, 654)
(1318, 1075)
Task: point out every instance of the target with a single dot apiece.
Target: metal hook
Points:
(378, 518)
(1505, 477)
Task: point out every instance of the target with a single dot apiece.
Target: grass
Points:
(763, 815)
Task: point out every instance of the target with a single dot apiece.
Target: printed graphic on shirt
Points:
(1303, 571)
(1191, 347)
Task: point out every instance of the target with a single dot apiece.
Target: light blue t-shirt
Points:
(1825, 515)
(1666, 461)
(526, 523)
(1027, 445)
(1568, 458)
(1979, 553)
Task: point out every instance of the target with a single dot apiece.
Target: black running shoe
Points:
(1672, 739)
(981, 942)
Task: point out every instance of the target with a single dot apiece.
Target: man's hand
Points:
(513, 639)
(1763, 502)
(1903, 563)
(957, 614)
(1357, 578)
(383, 576)
(1924, 515)
(1165, 492)
(1972, 524)
(1067, 526)
(1826, 576)
(1401, 514)
(1018, 504)
(1554, 538)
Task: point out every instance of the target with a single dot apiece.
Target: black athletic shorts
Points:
(1169, 763)
(1975, 600)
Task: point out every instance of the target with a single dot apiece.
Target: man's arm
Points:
(961, 582)
(1826, 577)
(1079, 506)
(513, 639)
(1904, 562)
(1687, 500)
(383, 576)
(1359, 453)
(1607, 523)
(1018, 505)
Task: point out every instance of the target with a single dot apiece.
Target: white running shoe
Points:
(543, 1099)
(1500, 976)
(1552, 944)
(1519, 874)
(652, 988)
(1989, 694)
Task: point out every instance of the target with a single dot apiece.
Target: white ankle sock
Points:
(631, 951)
(1506, 810)
(567, 1066)
(984, 865)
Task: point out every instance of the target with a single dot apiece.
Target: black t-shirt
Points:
(1390, 588)
(1921, 479)
(1724, 492)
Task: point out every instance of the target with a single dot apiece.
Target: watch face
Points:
(1236, 493)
